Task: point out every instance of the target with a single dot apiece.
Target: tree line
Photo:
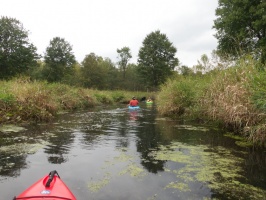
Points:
(240, 26)
(58, 64)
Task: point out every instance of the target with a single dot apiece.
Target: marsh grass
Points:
(234, 97)
(23, 100)
(180, 96)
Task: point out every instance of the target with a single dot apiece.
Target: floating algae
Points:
(123, 157)
(133, 170)
(218, 169)
(22, 148)
(244, 143)
(180, 186)
(240, 141)
(11, 128)
(123, 164)
(11, 153)
(96, 186)
(192, 128)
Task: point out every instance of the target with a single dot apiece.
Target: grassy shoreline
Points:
(24, 101)
(234, 97)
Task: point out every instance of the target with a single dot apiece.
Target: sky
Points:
(103, 26)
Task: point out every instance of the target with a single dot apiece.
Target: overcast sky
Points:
(103, 26)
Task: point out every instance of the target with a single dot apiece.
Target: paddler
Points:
(133, 102)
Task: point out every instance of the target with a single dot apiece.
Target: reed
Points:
(233, 97)
(23, 100)
(180, 96)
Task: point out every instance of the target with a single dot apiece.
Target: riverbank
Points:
(232, 96)
(24, 101)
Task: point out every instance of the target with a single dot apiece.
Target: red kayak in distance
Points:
(50, 187)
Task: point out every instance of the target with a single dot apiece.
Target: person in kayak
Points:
(133, 102)
(149, 100)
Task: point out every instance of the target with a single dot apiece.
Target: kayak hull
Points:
(133, 107)
(57, 190)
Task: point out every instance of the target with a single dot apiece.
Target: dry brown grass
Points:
(24, 100)
(225, 96)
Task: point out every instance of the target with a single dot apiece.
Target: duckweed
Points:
(11, 128)
(96, 186)
(180, 186)
(192, 128)
(22, 148)
(218, 169)
(133, 170)
(241, 141)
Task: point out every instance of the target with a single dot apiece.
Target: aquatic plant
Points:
(234, 97)
(217, 169)
(24, 100)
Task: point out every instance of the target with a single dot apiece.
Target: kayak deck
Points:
(50, 187)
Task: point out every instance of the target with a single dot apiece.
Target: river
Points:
(114, 153)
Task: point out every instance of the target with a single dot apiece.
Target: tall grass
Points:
(181, 96)
(234, 97)
(24, 100)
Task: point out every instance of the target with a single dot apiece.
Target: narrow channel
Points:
(116, 153)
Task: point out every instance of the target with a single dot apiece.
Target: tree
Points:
(59, 59)
(111, 74)
(185, 70)
(135, 82)
(17, 54)
(124, 55)
(156, 59)
(241, 28)
(93, 74)
(203, 65)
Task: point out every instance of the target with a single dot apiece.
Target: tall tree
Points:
(111, 74)
(124, 56)
(17, 54)
(203, 66)
(93, 73)
(157, 59)
(59, 59)
(241, 27)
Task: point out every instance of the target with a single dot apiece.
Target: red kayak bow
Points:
(50, 187)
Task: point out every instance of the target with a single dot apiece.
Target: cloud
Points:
(102, 26)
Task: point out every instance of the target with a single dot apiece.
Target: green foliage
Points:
(258, 86)
(118, 96)
(241, 28)
(103, 98)
(133, 82)
(156, 59)
(234, 97)
(178, 95)
(185, 70)
(111, 74)
(17, 54)
(124, 56)
(39, 101)
(59, 60)
(96, 72)
(6, 97)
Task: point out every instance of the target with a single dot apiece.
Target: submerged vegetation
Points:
(232, 96)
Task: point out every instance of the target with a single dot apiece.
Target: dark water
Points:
(113, 153)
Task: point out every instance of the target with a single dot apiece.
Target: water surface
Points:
(115, 153)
